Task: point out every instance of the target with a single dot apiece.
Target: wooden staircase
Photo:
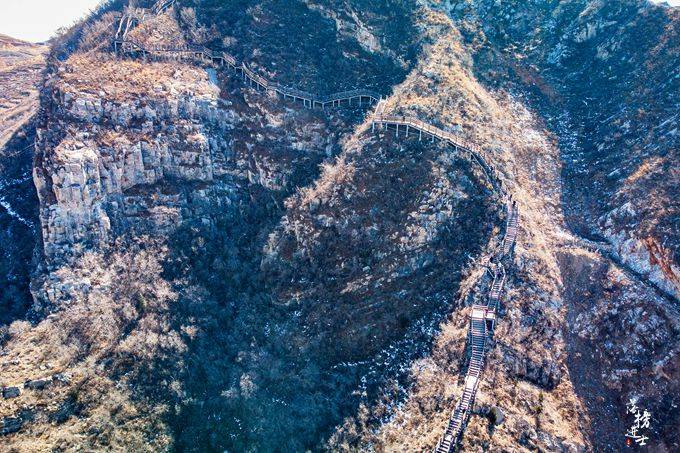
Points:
(482, 317)
(482, 321)
(496, 286)
(511, 229)
(477, 337)
(359, 97)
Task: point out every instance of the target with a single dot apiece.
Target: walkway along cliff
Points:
(483, 317)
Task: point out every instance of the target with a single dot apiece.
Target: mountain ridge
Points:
(239, 271)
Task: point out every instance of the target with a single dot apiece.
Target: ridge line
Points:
(482, 318)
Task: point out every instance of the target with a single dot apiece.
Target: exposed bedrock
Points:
(225, 270)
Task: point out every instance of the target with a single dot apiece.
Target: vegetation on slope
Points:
(21, 66)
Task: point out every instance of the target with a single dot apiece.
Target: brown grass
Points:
(125, 80)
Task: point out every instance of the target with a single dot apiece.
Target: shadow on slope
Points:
(314, 46)
(288, 339)
(19, 224)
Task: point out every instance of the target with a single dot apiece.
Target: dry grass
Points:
(160, 30)
(21, 65)
(515, 142)
(127, 80)
(98, 35)
(645, 170)
(94, 341)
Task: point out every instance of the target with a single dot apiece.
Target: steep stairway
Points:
(482, 318)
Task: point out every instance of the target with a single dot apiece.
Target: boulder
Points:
(11, 425)
(37, 384)
(10, 392)
(61, 378)
(496, 415)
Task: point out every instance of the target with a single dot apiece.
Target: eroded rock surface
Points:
(224, 270)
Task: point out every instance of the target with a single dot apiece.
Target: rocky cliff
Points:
(600, 73)
(223, 269)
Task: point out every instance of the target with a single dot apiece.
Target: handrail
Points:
(460, 415)
(450, 138)
(312, 98)
(461, 412)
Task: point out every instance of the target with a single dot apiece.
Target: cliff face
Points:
(222, 269)
(600, 72)
(153, 147)
(186, 184)
(597, 73)
(86, 175)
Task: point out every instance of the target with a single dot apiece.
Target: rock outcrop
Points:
(118, 162)
(221, 269)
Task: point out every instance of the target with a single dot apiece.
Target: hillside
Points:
(21, 66)
(236, 252)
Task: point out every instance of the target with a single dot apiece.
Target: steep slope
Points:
(529, 358)
(603, 72)
(21, 66)
(223, 269)
(603, 76)
(316, 46)
(629, 335)
(133, 152)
